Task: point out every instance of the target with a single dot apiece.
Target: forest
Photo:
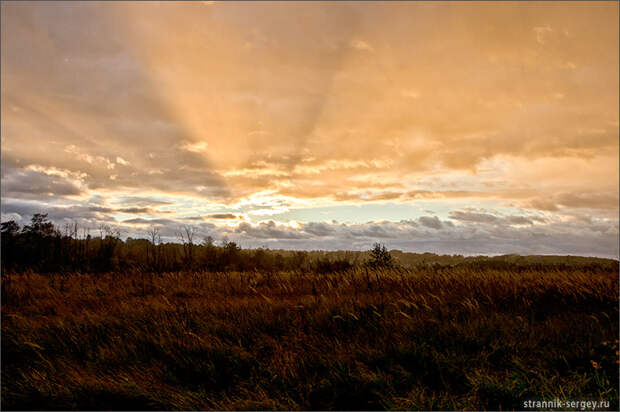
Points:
(45, 248)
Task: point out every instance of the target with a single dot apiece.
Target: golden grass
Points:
(427, 339)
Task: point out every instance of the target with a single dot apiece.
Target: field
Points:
(427, 338)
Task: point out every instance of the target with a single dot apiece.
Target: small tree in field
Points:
(380, 257)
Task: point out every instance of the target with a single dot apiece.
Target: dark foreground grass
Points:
(442, 339)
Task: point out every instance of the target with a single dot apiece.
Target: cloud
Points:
(578, 238)
(582, 200)
(589, 200)
(361, 45)
(140, 221)
(58, 214)
(541, 33)
(410, 93)
(519, 220)
(482, 216)
(195, 218)
(542, 204)
(267, 230)
(470, 216)
(198, 147)
(111, 106)
(319, 229)
(225, 216)
(474, 234)
(141, 210)
(142, 201)
(432, 222)
(33, 184)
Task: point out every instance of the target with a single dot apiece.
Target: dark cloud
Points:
(589, 200)
(467, 238)
(194, 218)
(141, 221)
(470, 216)
(542, 204)
(142, 201)
(100, 209)
(268, 230)
(580, 200)
(481, 216)
(519, 220)
(136, 210)
(371, 231)
(128, 210)
(432, 222)
(222, 216)
(35, 185)
(319, 229)
(56, 213)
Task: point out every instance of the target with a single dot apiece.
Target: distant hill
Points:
(413, 260)
(416, 259)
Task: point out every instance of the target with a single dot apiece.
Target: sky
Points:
(455, 128)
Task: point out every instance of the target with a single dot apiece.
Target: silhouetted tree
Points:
(41, 243)
(230, 255)
(109, 238)
(380, 257)
(40, 226)
(10, 233)
(153, 262)
(10, 228)
(186, 236)
(209, 259)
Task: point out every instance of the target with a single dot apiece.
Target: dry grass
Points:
(442, 339)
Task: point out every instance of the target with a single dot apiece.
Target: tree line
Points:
(43, 247)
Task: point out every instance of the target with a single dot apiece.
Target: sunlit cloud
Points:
(360, 45)
(203, 113)
(198, 147)
(541, 33)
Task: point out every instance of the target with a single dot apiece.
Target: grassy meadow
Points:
(428, 338)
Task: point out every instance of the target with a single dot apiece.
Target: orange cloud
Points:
(321, 103)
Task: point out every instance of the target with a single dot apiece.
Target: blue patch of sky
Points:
(385, 211)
